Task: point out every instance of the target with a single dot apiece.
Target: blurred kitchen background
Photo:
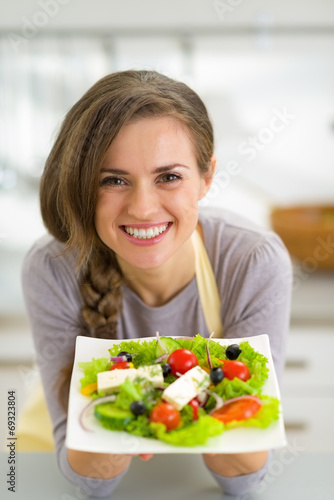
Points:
(265, 69)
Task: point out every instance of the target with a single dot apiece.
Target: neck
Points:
(158, 286)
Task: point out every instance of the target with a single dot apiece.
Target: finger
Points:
(146, 456)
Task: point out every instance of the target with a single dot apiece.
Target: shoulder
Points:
(217, 221)
(233, 240)
(46, 261)
(46, 247)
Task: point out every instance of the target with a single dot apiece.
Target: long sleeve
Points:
(53, 303)
(239, 485)
(254, 276)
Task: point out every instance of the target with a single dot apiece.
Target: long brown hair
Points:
(70, 181)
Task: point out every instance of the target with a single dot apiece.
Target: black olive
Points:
(138, 407)
(216, 375)
(126, 354)
(166, 369)
(233, 351)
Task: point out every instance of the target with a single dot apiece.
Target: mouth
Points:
(141, 232)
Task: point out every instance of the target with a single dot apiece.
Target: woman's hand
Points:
(143, 456)
(146, 456)
(98, 465)
(235, 464)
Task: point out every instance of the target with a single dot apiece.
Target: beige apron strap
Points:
(207, 287)
(34, 432)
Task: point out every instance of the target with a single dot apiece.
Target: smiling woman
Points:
(129, 253)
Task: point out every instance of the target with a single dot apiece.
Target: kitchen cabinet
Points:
(313, 297)
(308, 383)
(307, 387)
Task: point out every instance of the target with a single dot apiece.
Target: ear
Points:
(207, 178)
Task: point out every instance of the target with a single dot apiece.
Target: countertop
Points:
(292, 474)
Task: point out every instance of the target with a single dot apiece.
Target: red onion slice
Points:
(159, 342)
(117, 358)
(90, 406)
(219, 400)
(239, 398)
(203, 398)
(162, 358)
(207, 350)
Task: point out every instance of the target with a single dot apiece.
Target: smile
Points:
(146, 234)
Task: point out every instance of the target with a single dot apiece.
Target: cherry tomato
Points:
(121, 365)
(232, 369)
(237, 410)
(167, 415)
(181, 361)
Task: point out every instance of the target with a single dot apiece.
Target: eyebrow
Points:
(157, 170)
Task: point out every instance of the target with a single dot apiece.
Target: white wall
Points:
(242, 75)
(171, 13)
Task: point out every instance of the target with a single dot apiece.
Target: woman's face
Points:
(150, 185)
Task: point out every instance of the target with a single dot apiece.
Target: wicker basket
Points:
(308, 233)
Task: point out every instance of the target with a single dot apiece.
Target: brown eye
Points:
(112, 181)
(170, 178)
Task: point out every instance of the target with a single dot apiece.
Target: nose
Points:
(142, 203)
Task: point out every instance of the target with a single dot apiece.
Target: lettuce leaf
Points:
(257, 364)
(131, 391)
(92, 368)
(198, 346)
(143, 351)
(228, 389)
(194, 434)
(128, 393)
(141, 426)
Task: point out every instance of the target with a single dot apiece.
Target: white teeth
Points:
(144, 234)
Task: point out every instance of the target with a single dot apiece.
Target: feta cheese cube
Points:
(110, 381)
(186, 387)
(151, 374)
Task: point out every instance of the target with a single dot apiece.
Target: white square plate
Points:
(101, 440)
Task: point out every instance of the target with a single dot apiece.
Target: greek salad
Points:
(180, 390)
